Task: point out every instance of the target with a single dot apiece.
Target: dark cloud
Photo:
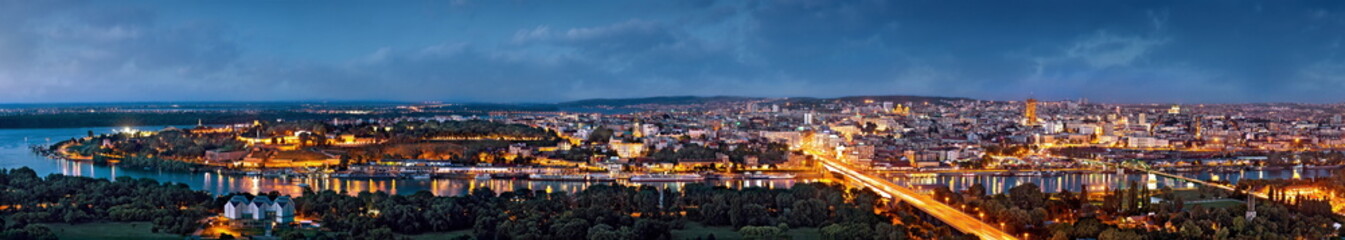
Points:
(1129, 51)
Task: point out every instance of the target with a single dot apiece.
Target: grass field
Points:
(110, 230)
(694, 230)
(1217, 203)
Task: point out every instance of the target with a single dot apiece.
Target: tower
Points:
(1030, 112)
(1196, 126)
(637, 130)
(1251, 206)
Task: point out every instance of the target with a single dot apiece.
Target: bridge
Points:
(1141, 167)
(949, 215)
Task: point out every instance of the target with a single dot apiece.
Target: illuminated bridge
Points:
(949, 215)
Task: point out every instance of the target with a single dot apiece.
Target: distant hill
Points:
(900, 99)
(680, 100)
(669, 100)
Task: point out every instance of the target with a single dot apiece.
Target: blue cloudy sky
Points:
(544, 51)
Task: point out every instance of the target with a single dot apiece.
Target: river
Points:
(14, 153)
(1096, 181)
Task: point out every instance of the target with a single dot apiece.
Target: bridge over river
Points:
(949, 215)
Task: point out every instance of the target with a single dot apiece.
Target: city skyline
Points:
(523, 52)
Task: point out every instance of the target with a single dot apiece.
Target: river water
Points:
(1096, 181)
(14, 153)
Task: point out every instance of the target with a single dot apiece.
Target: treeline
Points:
(112, 119)
(619, 212)
(243, 114)
(28, 199)
(151, 163)
(173, 144)
(409, 131)
(1129, 214)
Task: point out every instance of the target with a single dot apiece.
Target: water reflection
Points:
(222, 183)
(14, 154)
(1096, 180)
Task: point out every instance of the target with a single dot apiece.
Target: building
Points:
(627, 150)
(1030, 112)
(224, 156)
(260, 208)
(793, 139)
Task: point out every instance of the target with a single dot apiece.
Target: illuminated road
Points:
(953, 217)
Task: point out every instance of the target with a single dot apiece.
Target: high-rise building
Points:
(1196, 126)
(1143, 119)
(1030, 112)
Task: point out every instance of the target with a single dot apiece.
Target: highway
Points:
(949, 215)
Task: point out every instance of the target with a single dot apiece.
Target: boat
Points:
(454, 175)
(716, 176)
(667, 178)
(483, 176)
(423, 176)
(557, 177)
(509, 176)
(969, 174)
(922, 175)
(760, 175)
(599, 177)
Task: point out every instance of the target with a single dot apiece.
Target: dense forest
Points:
(28, 199)
(459, 141)
(1129, 214)
(620, 212)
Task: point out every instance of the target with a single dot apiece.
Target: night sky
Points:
(546, 51)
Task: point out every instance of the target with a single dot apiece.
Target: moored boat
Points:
(483, 176)
(667, 178)
(760, 175)
(557, 177)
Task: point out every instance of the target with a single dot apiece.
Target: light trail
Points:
(949, 215)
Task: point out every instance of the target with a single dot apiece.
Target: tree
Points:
(1190, 230)
(761, 233)
(651, 229)
(805, 213)
(1114, 234)
(293, 235)
(605, 232)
